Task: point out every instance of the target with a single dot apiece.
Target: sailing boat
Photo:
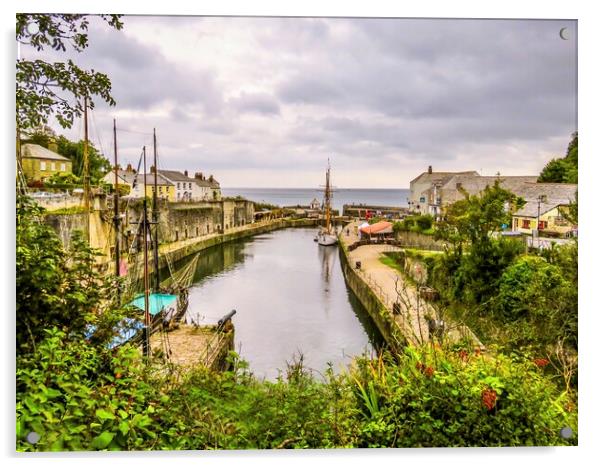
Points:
(326, 235)
(165, 303)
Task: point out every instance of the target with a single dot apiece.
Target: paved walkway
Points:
(391, 286)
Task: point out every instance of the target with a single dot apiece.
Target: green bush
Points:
(416, 223)
(440, 399)
(78, 396)
(63, 179)
(538, 301)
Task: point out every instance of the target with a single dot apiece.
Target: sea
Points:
(303, 196)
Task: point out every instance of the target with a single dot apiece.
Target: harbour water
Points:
(303, 196)
(290, 297)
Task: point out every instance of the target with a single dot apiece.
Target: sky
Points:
(267, 102)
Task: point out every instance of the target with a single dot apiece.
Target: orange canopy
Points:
(379, 228)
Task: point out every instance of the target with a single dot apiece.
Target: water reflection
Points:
(290, 297)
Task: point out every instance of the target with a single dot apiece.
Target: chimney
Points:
(430, 169)
(198, 175)
(53, 146)
(129, 168)
(211, 178)
(152, 169)
(186, 173)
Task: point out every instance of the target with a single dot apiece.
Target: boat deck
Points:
(190, 345)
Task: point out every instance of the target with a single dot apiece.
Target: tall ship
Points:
(327, 235)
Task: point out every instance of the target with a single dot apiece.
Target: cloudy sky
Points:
(264, 102)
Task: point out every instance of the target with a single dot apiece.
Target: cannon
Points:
(222, 322)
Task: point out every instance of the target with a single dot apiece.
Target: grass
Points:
(66, 211)
(390, 262)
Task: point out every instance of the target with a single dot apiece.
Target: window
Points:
(63, 167)
(526, 224)
(543, 224)
(42, 165)
(422, 199)
(52, 166)
(161, 189)
(178, 185)
(189, 185)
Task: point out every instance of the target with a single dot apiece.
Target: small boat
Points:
(327, 236)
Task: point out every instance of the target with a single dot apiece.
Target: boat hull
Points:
(327, 240)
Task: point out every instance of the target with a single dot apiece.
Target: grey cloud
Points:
(142, 77)
(256, 103)
(374, 93)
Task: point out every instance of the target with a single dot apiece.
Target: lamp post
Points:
(541, 198)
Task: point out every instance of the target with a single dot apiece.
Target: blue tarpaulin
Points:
(156, 302)
(126, 329)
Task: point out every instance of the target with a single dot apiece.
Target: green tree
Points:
(49, 89)
(474, 218)
(563, 170)
(539, 301)
(468, 225)
(99, 166)
(55, 287)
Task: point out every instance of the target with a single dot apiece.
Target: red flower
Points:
(463, 354)
(429, 371)
(489, 397)
(541, 362)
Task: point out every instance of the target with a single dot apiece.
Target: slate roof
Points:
(150, 179)
(475, 184)
(441, 177)
(173, 175)
(204, 183)
(35, 151)
(557, 194)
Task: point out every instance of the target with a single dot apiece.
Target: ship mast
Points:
(155, 217)
(146, 334)
(116, 218)
(327, 198)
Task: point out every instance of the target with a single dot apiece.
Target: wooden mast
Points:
(327, 199)
(155, 217)
(86, 171)
(146, 343)
(116, 218)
